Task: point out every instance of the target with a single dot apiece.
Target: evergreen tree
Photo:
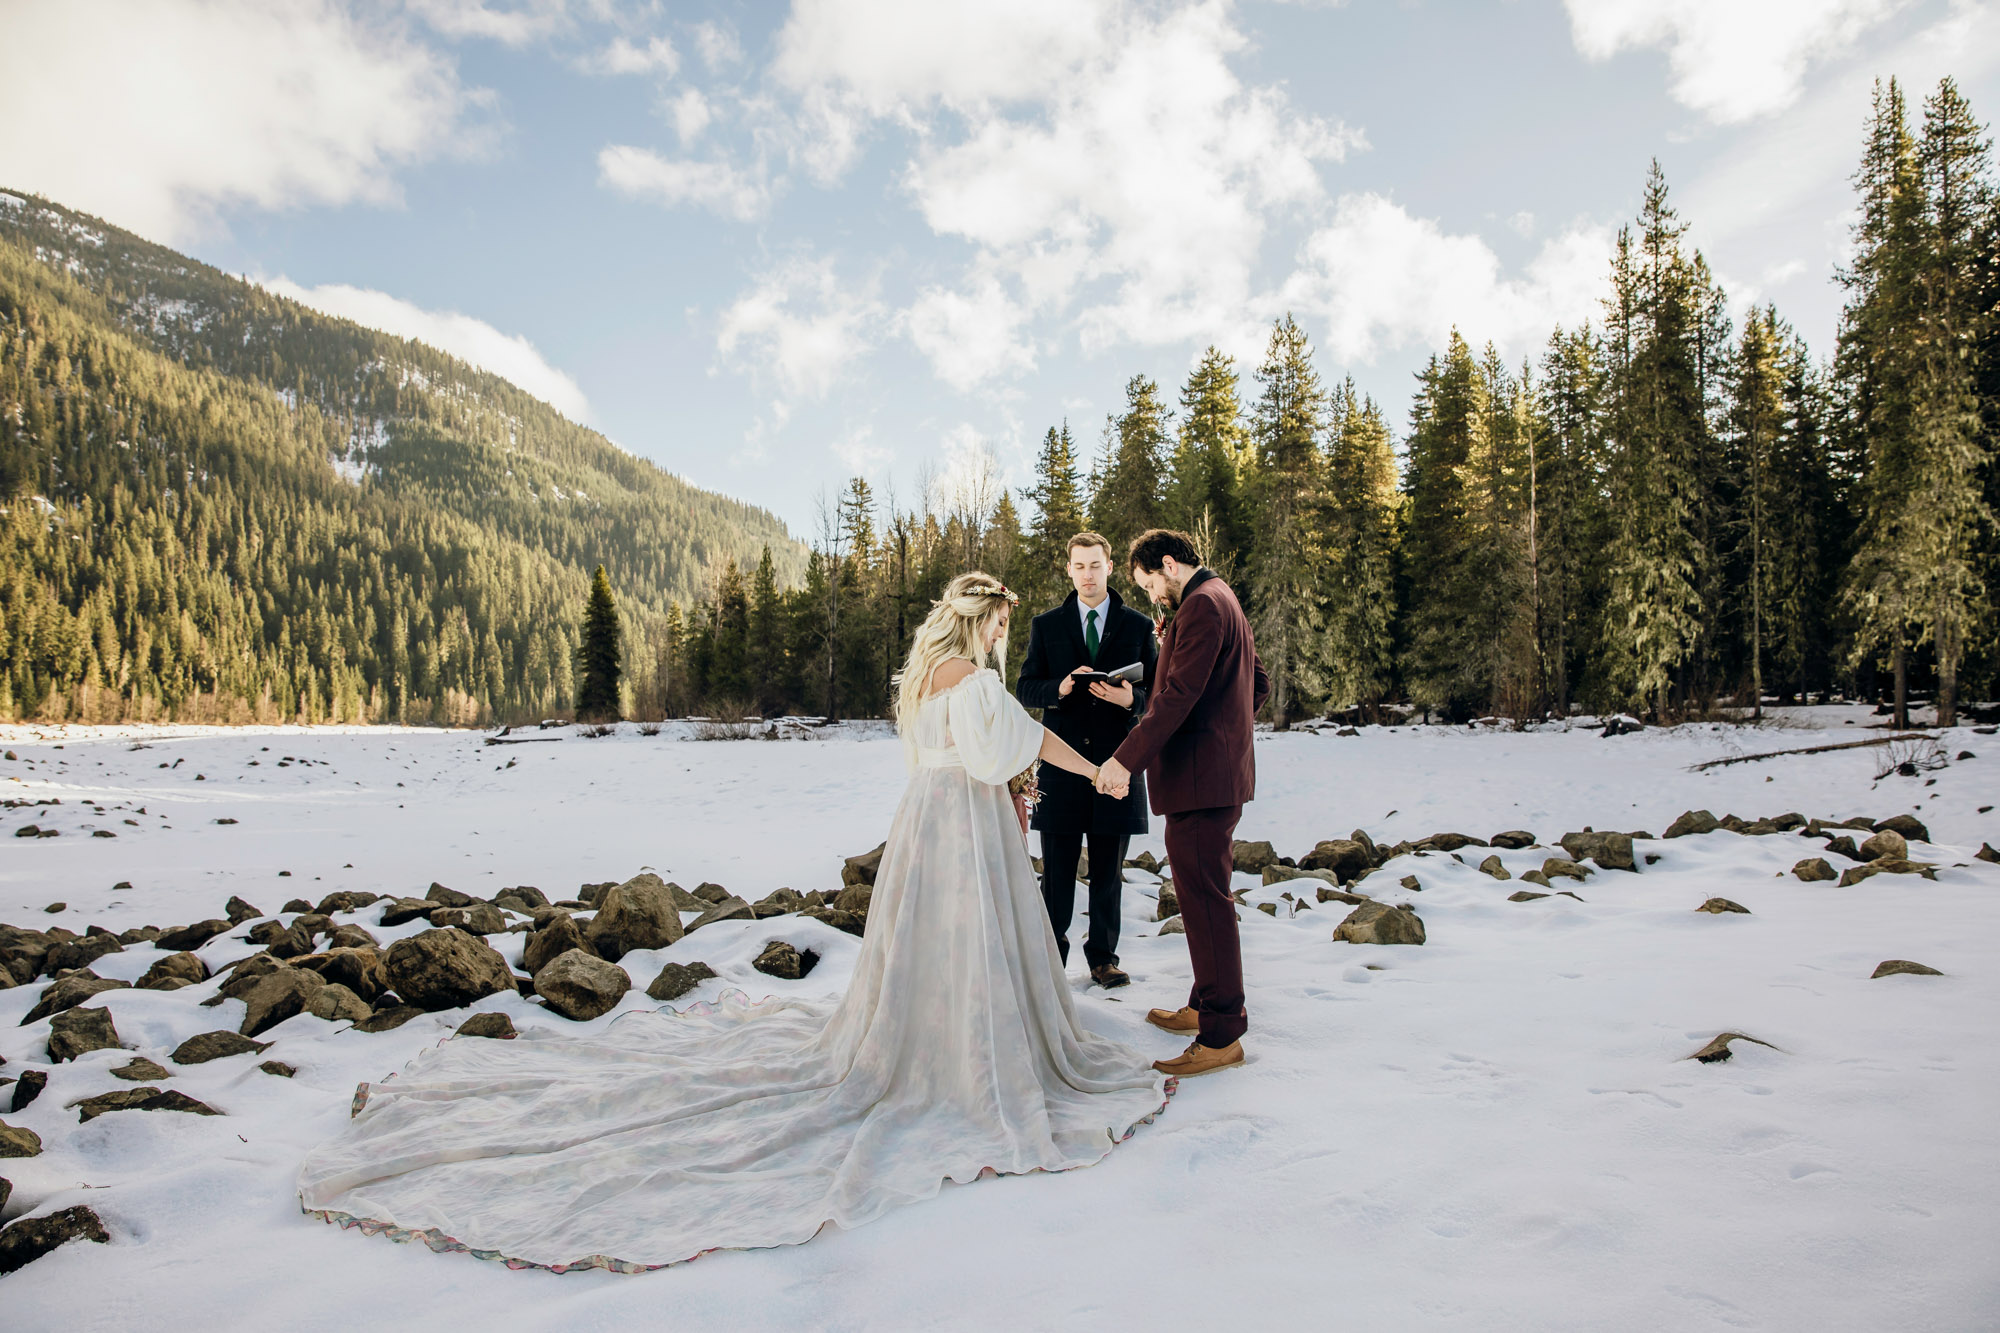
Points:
(766, 655)
(1948, 509)
(1759, 421)
(1287, 571)
(1057, 496)
(1878, 363)
(1126, 497)
(599, 656)
(1657, 429)
(1211, 456)
(729, 675)
(1569, 537)
(1363, 510)
(1441, 657)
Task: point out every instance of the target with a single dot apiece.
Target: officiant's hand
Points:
(1121, 694)
(1069, 682)
(1113, 779)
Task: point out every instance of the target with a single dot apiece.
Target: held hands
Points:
(1113, 779)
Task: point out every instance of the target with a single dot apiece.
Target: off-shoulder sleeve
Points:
(995, 736)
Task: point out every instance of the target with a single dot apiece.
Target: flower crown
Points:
(990, 590)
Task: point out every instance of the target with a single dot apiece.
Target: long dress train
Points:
(956, 1049)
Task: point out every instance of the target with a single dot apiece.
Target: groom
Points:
(1092, 630)
(1196, 741)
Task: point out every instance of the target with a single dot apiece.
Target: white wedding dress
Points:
(956, 1051)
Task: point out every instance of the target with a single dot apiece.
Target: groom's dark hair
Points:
(1152, 547)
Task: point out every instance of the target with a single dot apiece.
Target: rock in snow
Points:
(581, 986)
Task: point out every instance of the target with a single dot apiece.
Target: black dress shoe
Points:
(1108, 976)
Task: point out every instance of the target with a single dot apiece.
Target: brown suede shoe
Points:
(1199, 1059)
(1109, 976)
(1182, 1021)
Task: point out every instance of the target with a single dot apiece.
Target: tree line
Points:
(218, 505)
(1662, 511)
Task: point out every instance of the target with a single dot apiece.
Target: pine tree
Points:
(599, 659)
(1126, 497)
(1948, 509)
(1441, 657)
(1057, 496)
(1363, 509)
(729, 640)
(765, 658)
(1758, 422)
(1656, 436)
(1287, 571)
(1877, 359)
(1568, 463)
(1210, 459)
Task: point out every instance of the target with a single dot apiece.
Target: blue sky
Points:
(769, 246)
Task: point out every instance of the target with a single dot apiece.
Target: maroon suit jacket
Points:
(1194, 742)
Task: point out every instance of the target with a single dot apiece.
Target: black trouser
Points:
(1107, 889)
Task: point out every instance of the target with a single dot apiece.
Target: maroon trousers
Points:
(1200, 856)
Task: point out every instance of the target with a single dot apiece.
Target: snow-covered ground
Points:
(1496, 1130)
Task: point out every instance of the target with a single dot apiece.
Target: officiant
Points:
(1093, 630)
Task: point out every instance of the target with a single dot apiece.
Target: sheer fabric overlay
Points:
(956, 1051)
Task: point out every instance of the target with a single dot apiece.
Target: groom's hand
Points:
(1113, 779)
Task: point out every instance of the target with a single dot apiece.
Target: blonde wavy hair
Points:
(954, 628)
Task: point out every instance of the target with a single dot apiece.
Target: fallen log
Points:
(1811, 749)
(521, 740)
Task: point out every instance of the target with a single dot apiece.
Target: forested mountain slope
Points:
(222, 504)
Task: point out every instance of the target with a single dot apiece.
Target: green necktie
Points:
(1090, 635)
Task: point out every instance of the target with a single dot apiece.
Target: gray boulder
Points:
(735, 909)
(1693, 821)
(187, 938)
(638, 914)
(401, 911)
(1514, 840)
(1556, 865)
(863, 868)
(1813, 869)
(1887, 843)
(359, 968)
(16, 1141)
(839, 918)
(443, 897)
(185, 968)
(557, 935)
(76, 1031)
(386, 1020)
(1447, 842)
(140, 1070)
(72, 954)
(780, 959)
(581, 986)
(32, 1237)
(1380, 923)
(1252, 857)
(445, 969)
(1170, 902)
(523, 898)
(1909, 826)
(219, 1045)
(346, 900)
(69, 993)
(284, 994)
(677, 979)
(240, 911)
(1345, 857)
(498, 1027)
(778, 902)
(1493, 866)
(337, 1004)
(1717, 906)
(1612, 851)
(141, 1099)
(1894, 967)
(476, 919)
(351, 936)
(1844, 846)
(1173, 925)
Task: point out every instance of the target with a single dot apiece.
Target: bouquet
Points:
(1023, 788)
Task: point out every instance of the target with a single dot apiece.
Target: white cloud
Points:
(970, 336)
(691, 115)
(513, 25)
(1100, 158)
(859, 453)
(1378, 278)
(157, 114)
(800, 324)
(472, 340)
(717, 44)
(1732, 60)
(717, 186)
(623, 57)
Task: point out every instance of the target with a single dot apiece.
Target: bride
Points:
(956, 1050)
